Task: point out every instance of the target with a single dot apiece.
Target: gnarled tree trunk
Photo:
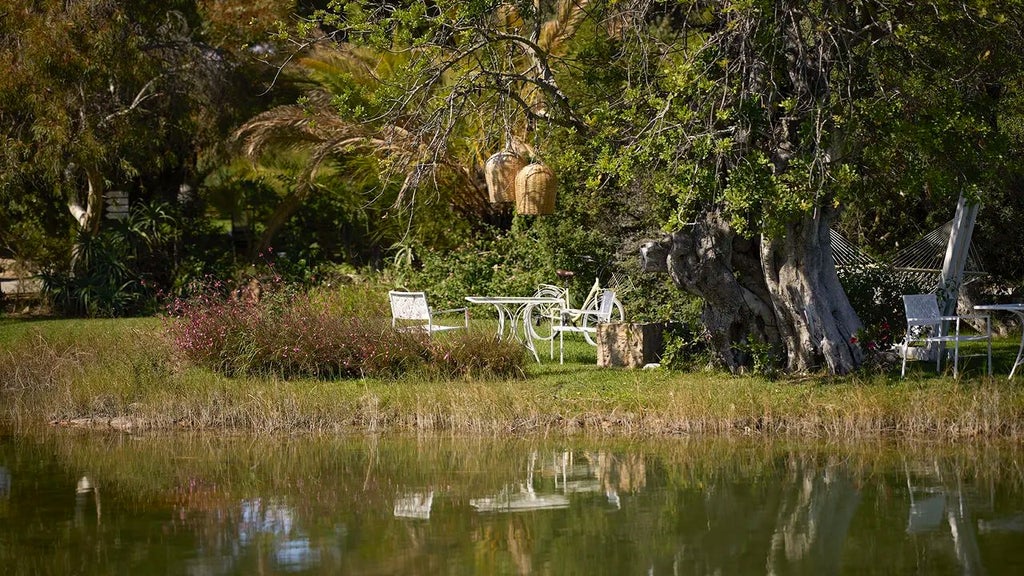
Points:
(781, 287)
(781, 291)
(817, 325)
(712, 262)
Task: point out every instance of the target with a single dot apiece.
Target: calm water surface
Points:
(96, 503)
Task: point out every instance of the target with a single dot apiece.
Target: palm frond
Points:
(555, 33)
(336, 67)
(405, 155)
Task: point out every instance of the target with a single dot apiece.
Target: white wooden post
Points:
(956, 255)
(953, 264)
(956, 251)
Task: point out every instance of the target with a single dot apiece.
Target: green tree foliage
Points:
(935, 115)
(372, 171)
(96, 94)
(745, 127)
(101, 95)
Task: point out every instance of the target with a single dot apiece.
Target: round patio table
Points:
(1015, 308)
(514, 311)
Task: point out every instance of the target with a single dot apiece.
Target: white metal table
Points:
(514, 314)
(1018, 309)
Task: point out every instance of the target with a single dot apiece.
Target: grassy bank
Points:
(123, 373)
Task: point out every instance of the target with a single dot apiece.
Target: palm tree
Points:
(334, 124)
(428, 136)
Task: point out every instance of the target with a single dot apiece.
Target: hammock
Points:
(922, 261)
(845, 254)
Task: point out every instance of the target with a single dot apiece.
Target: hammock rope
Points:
(921, 261)
(844, 253)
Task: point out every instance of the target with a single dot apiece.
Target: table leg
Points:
(1020, 351)
(524, 311)
(510, 320)
(501, 320)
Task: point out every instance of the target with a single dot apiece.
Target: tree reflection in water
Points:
(377, 505)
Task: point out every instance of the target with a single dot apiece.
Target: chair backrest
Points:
(921, 306)
(604, 310)
(409, 306)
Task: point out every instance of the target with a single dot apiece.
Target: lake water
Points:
(75, 502)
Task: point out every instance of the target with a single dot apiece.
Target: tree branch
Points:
(140, 97)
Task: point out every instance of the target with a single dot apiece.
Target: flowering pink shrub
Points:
(322, 336)
(876, 342)
(212, 330)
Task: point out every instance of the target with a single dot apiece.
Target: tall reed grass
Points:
(126, 374)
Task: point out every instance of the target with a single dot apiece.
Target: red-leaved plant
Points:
(340, 334)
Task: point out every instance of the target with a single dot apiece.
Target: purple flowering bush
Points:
(344, 333)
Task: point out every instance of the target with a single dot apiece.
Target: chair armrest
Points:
(564, 312)
(464, 311)
(960, 317)
(937, 319)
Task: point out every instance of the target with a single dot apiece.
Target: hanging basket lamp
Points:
(500, 172)
(535, 190)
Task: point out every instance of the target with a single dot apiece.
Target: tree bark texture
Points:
(710, 261)
(780, 291)
(817, 324)
(90, 215)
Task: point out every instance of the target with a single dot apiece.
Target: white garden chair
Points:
(410, 312)
(588, 319)
(925, 325)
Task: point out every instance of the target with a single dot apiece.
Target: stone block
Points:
(629, 344)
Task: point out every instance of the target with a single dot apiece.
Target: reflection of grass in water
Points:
(238, 466)
(680, 486)
(62, 370)
(160, 467)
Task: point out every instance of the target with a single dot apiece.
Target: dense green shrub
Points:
(505, 263)
(876, 294)
(119, 270)
(686, 340)
(102, 281)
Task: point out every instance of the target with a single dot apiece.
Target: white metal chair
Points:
(925, 325)
(588, 321)
(410, 312)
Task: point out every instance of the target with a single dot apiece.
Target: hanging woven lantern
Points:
(535, 190)
(500, 172)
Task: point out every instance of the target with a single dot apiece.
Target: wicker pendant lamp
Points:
(535, 190)
(500, 173)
